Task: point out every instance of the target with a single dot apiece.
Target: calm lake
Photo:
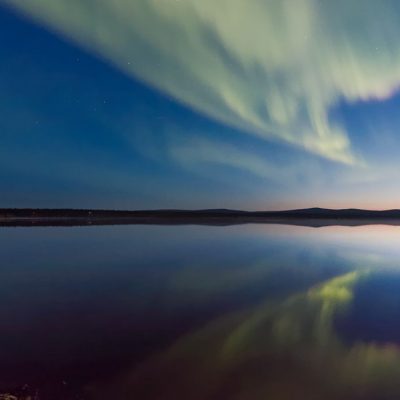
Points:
(248, 312)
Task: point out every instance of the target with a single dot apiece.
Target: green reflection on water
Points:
(282, 349)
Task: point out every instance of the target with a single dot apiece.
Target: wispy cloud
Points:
(197, 152)
(272, 68)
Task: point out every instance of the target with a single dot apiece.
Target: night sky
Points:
(255, 104)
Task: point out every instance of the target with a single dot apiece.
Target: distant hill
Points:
(307, 216)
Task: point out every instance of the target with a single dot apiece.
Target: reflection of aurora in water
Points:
(193, 313)
(281, 350)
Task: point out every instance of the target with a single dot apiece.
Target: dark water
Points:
(244, 312)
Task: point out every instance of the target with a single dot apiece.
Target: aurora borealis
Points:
(262, 104)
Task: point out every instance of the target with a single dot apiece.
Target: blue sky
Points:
(196, 104)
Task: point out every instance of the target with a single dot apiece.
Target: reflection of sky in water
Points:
(202, 312)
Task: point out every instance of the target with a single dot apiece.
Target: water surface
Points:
(194, 312)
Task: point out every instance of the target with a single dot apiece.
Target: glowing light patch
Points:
(270, 68)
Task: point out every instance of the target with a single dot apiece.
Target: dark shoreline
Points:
(313, 217)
